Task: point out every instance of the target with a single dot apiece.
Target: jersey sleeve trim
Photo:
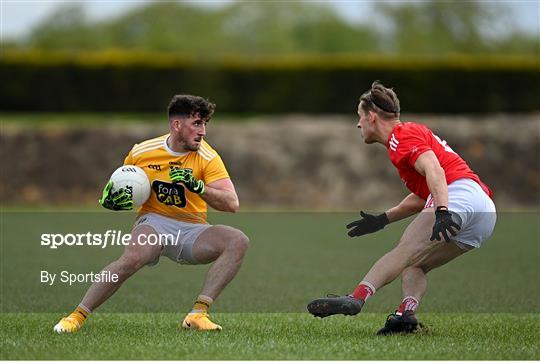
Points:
(146, 149)
(148, 145)
(149, 142)
(205, 153)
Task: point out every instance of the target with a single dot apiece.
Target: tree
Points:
(438, 27)
(270, 28)
(246, 28)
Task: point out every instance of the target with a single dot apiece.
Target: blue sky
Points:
(19, 16)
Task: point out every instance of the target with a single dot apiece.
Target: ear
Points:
(176, 124)
(372, 116)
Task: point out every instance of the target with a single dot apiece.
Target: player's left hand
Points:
(444, 224)
(185, 176)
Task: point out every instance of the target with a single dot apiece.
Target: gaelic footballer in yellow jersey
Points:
(186, 175)
(172, 199)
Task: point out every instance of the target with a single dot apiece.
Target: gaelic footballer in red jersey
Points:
(454, 207)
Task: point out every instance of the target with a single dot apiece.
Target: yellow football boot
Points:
(200, 322)
(73, 322)
(69, 324)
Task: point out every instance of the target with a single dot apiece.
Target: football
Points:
(134, 180)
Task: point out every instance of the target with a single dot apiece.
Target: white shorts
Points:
(475, 209)
(184, 234)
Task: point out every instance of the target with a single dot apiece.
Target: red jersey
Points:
(408, 141)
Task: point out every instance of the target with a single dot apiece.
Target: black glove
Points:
(444, 224)
(369, 224)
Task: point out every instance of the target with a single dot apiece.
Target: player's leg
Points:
(134, 257)
(413, 246)
(477, 218)
(414, 285)
(414, 277)
(226, 247)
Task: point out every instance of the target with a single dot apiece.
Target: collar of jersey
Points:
(174, 153)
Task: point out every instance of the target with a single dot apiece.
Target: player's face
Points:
(191, 132)
(366, 125)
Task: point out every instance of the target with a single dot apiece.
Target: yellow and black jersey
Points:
(167, 198)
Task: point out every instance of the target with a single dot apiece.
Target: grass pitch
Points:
(271, 336)
(484, 305)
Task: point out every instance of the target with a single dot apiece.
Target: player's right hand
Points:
(119, 200)
(444, 224)
(368, 224)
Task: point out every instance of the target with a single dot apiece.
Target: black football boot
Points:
(404, 323)
(335, 304)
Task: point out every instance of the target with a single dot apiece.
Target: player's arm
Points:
(221, 195)
(369, 223)
(410, 205)
(428, 165)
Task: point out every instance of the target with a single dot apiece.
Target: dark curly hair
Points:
(184, 105)
(381, 100)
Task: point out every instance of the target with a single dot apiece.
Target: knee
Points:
(406, 272)
(239, 242)
(411, 273)
(130, 263)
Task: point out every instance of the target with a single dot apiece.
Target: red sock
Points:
(408, 303)
(363, 291)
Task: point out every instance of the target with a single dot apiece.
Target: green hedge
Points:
(134, 82)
